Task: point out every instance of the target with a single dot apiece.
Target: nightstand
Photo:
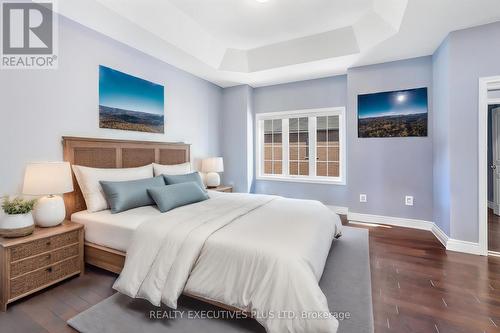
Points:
(32, 263)
(222, 188)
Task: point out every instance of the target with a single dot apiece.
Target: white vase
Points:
(16, 225)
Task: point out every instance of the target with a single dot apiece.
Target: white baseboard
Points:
(463, 246)
(440, 234)
(339, 209)
(395, 221)
(449, 243)
(491, 205)
(456, 245)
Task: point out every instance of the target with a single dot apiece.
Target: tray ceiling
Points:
(232, 42)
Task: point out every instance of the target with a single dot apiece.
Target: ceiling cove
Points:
(232, 42)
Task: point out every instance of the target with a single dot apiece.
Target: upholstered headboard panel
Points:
(106, 153)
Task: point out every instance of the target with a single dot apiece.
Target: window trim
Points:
(259, 160)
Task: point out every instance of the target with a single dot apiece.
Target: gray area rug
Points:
(346, 283)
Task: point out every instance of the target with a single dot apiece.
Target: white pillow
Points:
(89, 178)
(171, 170)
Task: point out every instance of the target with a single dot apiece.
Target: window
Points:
(298, 147)
(303, 146)
(273, 147)
(327, 146)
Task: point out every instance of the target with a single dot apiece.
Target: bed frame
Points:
(113, 154)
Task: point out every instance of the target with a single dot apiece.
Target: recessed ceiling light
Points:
(262, 1)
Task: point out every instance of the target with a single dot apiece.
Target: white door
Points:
(496, 158)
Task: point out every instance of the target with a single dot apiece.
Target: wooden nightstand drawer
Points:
(33, 248)
(31, 263)
(42, 277)
(27, 265)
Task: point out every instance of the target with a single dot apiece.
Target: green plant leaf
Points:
(17, 205)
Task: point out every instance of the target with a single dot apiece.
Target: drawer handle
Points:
(49, 269)
(48, 243)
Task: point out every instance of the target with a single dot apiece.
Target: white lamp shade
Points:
(48, 178)
(213, 164)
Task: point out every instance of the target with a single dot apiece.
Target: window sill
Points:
(310, 180)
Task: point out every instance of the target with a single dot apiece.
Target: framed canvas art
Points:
(129, 103)
(400, 113)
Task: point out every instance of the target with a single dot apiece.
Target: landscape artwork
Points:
(393, 114)
(130, 103)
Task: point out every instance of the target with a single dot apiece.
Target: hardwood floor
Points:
(48, 310)
(493, 231)
(417, 287)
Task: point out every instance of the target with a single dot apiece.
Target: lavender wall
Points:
(441, 140)
(473, 54)
(385, 169)
(320, 93)
(237, 137)
(310, 94)
(39, 106)
(440, 171)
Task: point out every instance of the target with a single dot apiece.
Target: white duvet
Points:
(262, 254)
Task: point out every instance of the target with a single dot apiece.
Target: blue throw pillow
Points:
(190, 177)
(177, 195)
(122, 196)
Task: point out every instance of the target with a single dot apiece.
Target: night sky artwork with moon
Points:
(400, 113)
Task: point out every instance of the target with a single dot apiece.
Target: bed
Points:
(224, 251)
(109, 153)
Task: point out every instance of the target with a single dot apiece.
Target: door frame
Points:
(485, 84)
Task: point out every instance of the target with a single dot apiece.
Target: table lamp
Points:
(50, 179)
(211, 166)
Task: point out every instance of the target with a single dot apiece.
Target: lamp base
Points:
(49, 211)
(212, 179)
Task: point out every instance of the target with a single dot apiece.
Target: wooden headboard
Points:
(112, 154)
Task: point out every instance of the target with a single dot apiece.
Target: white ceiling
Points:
(232, 42)
(248, 24)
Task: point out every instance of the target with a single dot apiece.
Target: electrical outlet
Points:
(362, 198)
(409, 200)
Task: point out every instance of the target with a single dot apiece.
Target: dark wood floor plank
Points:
(16, 321)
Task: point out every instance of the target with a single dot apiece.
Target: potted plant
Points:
(17, 221)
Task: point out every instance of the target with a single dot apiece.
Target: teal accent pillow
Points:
(190, 177)
(177, 195)
(122, 196)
